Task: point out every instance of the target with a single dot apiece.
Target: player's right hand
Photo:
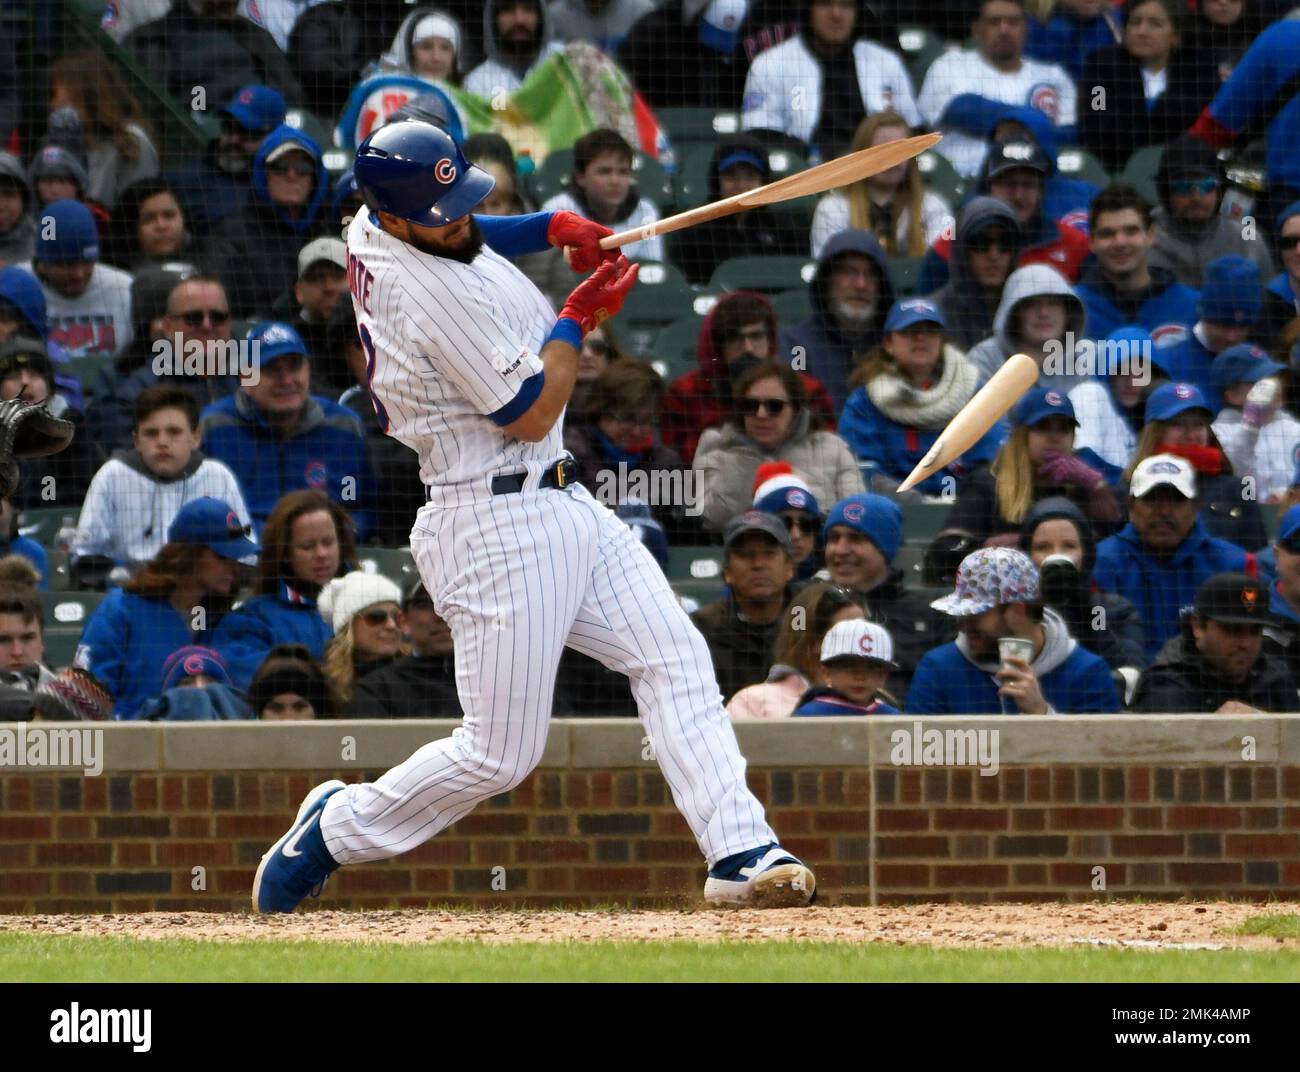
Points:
(600, 295)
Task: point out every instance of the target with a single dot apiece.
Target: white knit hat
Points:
(438, 24)
(345, 597)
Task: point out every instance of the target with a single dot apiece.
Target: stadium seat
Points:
(1140, 171)
(920, 48)
(702, 592)
(903, 273)
(923, 521)
(661, 296)
(703, 563)
(693, 175)
(909, 559)
(941, 177)
(767, 275)
(43, 524)
(674, 347)
(792, 305)
(1081, 164)
(66, 614)
(60, 575)
(696, 126)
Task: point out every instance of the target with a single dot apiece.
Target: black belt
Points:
(560, 475)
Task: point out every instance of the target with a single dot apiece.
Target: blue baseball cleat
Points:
(298, 864)
(766, 877)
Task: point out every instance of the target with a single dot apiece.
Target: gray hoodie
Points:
(1032, 281)
(962, 299)
(502, 72)
(19, 242)
(1058, 645)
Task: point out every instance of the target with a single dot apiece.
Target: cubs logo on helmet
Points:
(445, 170)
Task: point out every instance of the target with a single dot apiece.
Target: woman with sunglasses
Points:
(365, 612)
(907, 390)
(1282, 295)
(307, 541)
(1036, 462)
(771, 422)
(1179, 421)
(798, 666)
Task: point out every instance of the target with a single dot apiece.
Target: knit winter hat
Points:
(1233, 292)
(878, 519)
(193, 660)
(345, 597)
(776, 488)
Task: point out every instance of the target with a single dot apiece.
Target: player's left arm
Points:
(536, 232)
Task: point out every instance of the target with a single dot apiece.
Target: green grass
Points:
(38, 958)
(1276, 925)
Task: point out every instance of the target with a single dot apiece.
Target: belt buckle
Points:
(562, 474)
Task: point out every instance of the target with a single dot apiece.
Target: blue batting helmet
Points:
(416, 170)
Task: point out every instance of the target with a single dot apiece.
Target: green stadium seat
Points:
(903, 273)
(693, 175)
(661, 296)
(702, 592)
(675, 346)
(923, 521)
(66, 614)
(395, 563)
(941, 177)
(920, 48)
(909, 559)
(43, 524)
(703, 563)
(696, 126)
(767, 275)
(792, 305)
(60, 575)
(1081, 164)
(1140, 171)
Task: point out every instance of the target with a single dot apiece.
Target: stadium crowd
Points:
(1117, 195)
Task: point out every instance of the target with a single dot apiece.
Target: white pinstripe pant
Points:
(517, 578)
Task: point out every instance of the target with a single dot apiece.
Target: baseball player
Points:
(470, 368)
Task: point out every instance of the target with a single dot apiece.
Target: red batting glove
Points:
(600, 295)
(582, 237)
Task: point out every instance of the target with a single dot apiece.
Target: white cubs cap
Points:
(859, 640)
(1160, 469)
(322, 249)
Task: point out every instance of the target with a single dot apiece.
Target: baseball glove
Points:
(27, 430)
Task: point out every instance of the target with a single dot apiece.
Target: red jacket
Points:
(701, 399)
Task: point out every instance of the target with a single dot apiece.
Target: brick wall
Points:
(1164, 806)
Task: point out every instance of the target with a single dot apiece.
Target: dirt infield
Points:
(1174, 925)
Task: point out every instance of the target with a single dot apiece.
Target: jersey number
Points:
(369, 345)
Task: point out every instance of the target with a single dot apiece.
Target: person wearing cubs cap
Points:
(88, 304)
(1258, 436)
(196, 687)
(276, 436)
(175, 600)
(320, 296)
(1164, 553)
(857, 658)
(1109, 406)
(1220, 661)
(1012, 655)
(906, 390)
(779, 490)
(861, 536)
(1179, 421)
(1037, 461)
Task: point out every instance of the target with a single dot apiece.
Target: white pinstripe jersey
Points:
(447, 344)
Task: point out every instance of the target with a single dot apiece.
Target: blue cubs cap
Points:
(211, 523)
(66, 234)
(1039, 403)
(1292, 209)
(273, 339)
(257, 108)
(1170, 399)
(1290, 528)
(1243, 363)
(911, 311)
(1130, 342)
(878, 519)
(743, 156)
(194, 660)
(1232, 293)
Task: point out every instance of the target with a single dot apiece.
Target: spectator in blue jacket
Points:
(23, 312)
(306, 543)
(1164, 554)
(278, 437)
(911, 386)
(1229, 308)
(172, 603)
(997, 597)
(13, 542)
(1123, 288)
(1072, 32)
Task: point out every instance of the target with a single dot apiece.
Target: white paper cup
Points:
(1013, 647)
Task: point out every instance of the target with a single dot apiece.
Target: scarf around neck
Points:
(926, 407)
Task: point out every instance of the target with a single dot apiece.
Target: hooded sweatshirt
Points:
(1116, 636)
(1074, 681)
(1180, 682)
(19, 242)
(573, 20)
(702, 398)
(891, 425)
(830, 351)
(129, 508)
(965, 306)
(1038, 280)
(728, 460)
(256, 250)
(23, 291)
(502, 71)
(1184, 248)
(401, 54)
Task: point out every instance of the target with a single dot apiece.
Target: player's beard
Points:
(465, 254)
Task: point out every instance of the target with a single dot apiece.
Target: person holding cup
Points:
(1012, 654)
(1257, 435)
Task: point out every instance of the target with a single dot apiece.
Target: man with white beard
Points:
(851, 293)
